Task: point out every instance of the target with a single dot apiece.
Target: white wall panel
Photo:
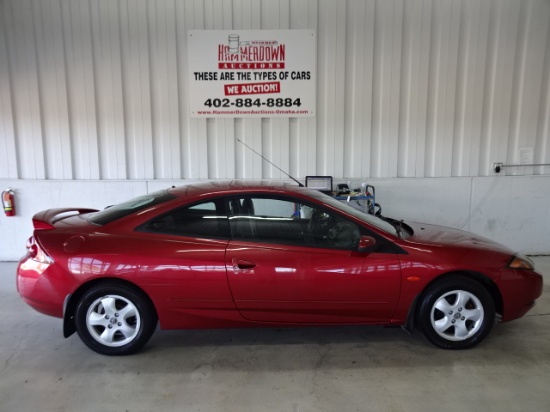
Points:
(8, 152)
(512, 210)
(81, 89)
(26, 108)
(35, 195)
(97, 89)
(136, 88)
(52, 84)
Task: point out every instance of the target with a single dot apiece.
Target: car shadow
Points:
(348, 347)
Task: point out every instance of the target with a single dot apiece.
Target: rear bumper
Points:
(42, 286)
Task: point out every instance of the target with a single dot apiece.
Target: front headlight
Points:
(521, 262)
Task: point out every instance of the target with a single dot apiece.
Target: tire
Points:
(115, 319)
(456, 313)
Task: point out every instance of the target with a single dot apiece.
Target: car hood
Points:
(448, 237)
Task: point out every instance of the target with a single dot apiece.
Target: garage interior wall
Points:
(419, 98)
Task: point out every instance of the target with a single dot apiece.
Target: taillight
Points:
(36, 253)
(41, 225)
(32, 249)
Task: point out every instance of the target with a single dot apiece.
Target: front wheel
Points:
(115, 319)
(456, 313)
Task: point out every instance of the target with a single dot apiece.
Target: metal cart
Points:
(366, 202)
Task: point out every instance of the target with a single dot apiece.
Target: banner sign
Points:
(252, 73)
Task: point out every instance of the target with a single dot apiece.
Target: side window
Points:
(204, 220)
(283, 221)
(332, 231)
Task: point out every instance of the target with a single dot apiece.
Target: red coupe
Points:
(243, 254)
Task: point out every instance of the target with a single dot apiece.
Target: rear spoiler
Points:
(46, 219)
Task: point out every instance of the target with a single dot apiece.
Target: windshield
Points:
(368, 218)
(116, 212)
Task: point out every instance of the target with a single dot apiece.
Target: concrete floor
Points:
(312, 369)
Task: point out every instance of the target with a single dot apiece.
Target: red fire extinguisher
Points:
(8, 202)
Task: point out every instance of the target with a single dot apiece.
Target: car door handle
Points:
(239, 264)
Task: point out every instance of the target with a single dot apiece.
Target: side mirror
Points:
(366, 244)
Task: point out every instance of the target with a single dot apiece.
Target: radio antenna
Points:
(270, 162)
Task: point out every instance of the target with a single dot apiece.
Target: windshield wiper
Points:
(397, 224)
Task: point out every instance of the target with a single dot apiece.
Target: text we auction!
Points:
(252, 73)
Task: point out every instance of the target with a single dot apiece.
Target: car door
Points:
(182, 257)
(291, 262)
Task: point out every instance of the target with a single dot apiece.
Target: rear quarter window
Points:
(112, 213)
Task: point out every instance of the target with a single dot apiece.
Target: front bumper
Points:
(520, 289)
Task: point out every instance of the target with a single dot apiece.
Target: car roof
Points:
(234, 186)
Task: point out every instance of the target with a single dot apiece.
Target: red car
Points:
(241, 254)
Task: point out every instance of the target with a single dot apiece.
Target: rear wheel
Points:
(456, 313)
(115, 319)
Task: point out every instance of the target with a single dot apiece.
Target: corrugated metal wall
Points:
(97, 89)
